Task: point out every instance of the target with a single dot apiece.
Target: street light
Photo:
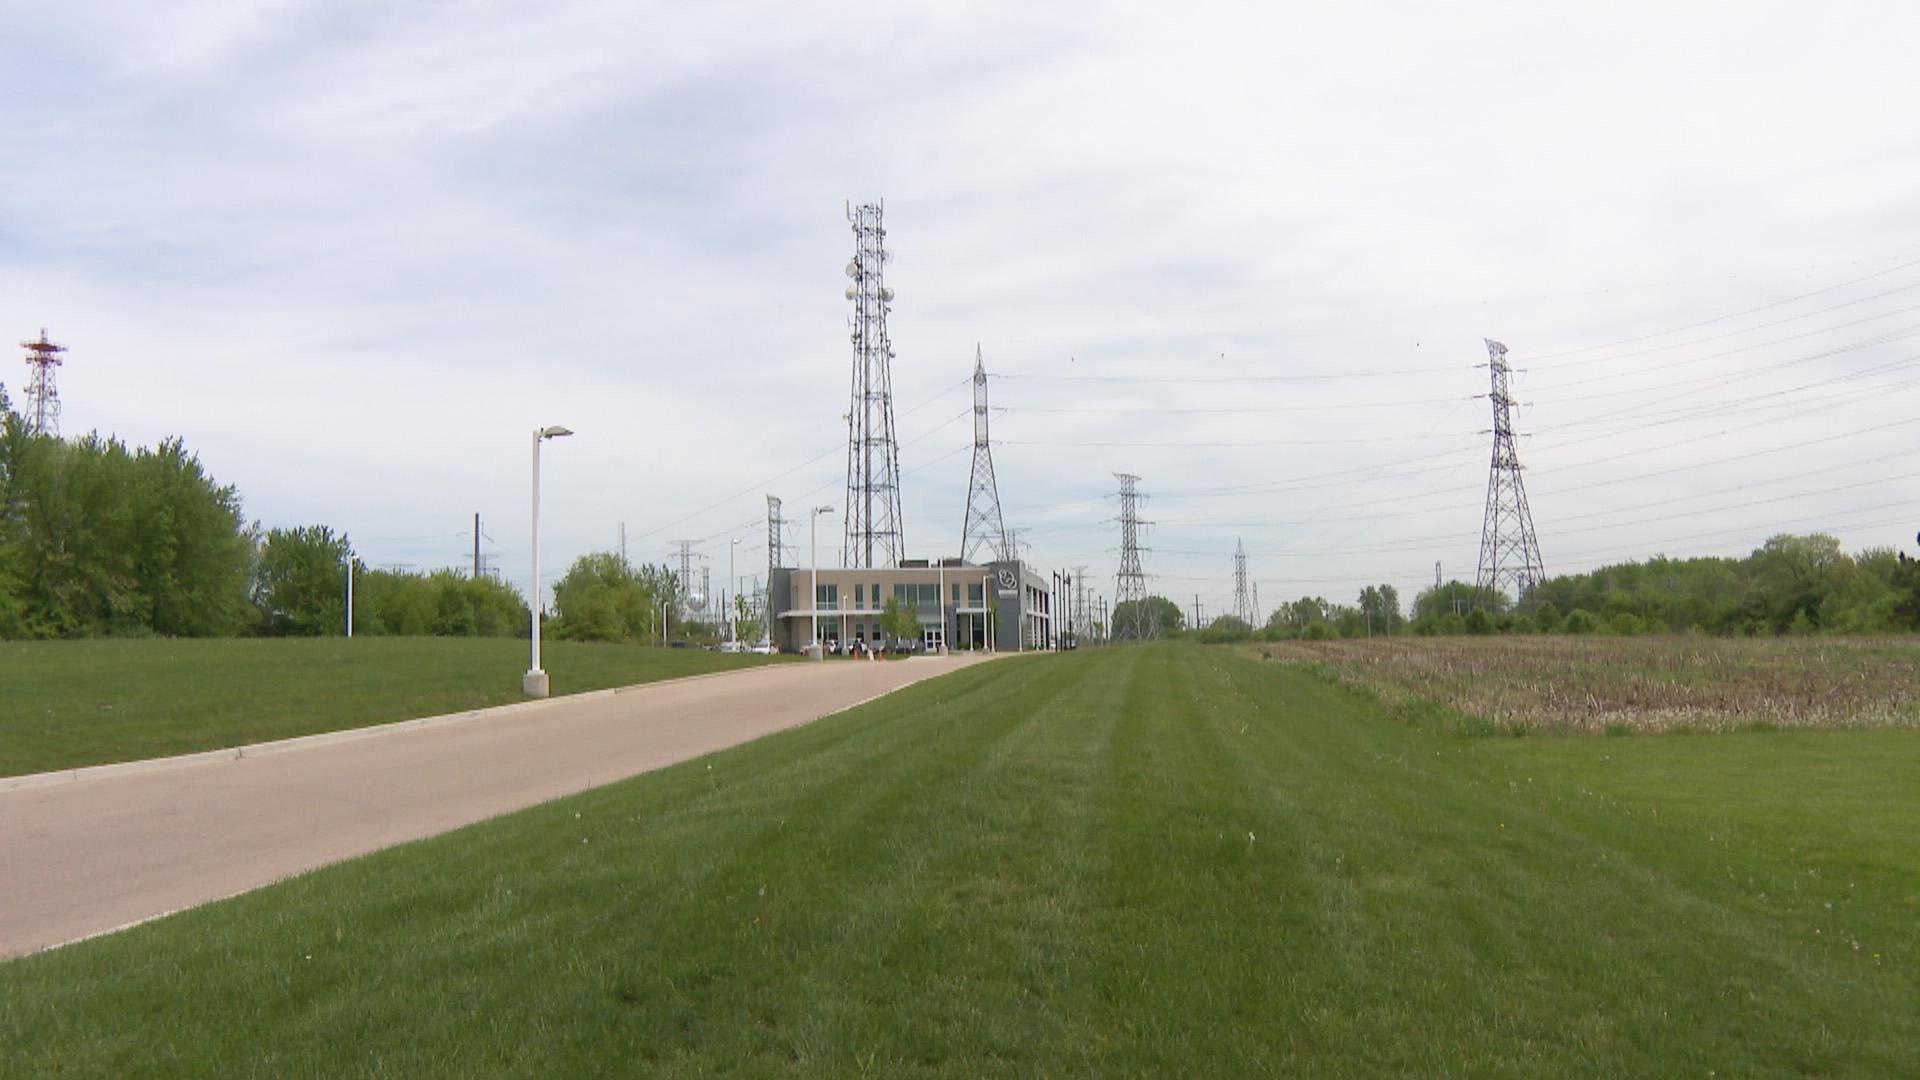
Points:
(813, 521)
(350, 560)
(534, 683)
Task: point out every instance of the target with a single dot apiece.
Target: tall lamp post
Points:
(534, 683)
(732, 546)
(813, 560)
(349, 624)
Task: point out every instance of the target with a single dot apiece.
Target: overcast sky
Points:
(353, 253)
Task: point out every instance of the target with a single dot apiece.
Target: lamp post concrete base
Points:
(534, 684)
(815, 652)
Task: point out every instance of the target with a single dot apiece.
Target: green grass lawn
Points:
(1165, 860)
(71, 703)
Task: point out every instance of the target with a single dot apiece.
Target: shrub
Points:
(1626, 624)
(1547, 617)
(1579, 621)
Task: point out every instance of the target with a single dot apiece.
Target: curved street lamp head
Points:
(554, 432)
(823, 509)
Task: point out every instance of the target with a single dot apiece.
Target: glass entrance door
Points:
(935, 637)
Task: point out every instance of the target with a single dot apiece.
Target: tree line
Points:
(1792, 584)
(100, 539)
(97, 538)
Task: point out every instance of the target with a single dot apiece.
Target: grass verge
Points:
(1618, 686)
(73, 703)
(1165, 860)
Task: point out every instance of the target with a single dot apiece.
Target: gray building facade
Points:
(1000, 606)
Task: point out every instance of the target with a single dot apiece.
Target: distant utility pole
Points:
(1130, 584)
(623, 543)
(1196, 611)
(476, 546)
(1509, 552)
(1256, 605)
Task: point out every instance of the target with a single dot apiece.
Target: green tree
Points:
(1380, 609)
(1153, 617)
(1790, 575)
(96, 539)
(1225, 630)
(1460, 597)
(299, 582)
(899, 621)
(602, 597)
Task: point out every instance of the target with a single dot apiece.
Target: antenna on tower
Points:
(873, 518)
(43, 397)
(1509, 553)
(984, 526)
(1130, 584)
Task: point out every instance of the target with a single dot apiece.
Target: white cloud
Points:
(354, 253)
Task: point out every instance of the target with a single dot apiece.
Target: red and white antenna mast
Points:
(43, 397)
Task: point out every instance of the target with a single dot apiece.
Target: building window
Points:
(956, 594)
(859, 597)
(974, 595)
(826, 597)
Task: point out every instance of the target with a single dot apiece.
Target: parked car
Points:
(764, 648)
(733, 646)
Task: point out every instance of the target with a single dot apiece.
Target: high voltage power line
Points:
(1554, 435)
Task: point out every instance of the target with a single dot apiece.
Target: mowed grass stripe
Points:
(77, 703)
(1478, 844)
(1160, 860)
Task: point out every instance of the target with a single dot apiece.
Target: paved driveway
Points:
(87, 852)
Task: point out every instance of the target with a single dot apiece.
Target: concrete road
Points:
(85, 852)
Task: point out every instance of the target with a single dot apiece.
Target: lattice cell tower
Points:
(43, 396)
(984, 527)
(1509, 553)
(1130, 584)
(873, 519)
(1242, 603)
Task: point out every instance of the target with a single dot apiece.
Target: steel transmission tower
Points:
(1082, 606)
(984, 527)
(1130, 584)
(43, 397)
(1242, 603)
(1509, 553)
(873, 519)
(689, 602)
(776, 536)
